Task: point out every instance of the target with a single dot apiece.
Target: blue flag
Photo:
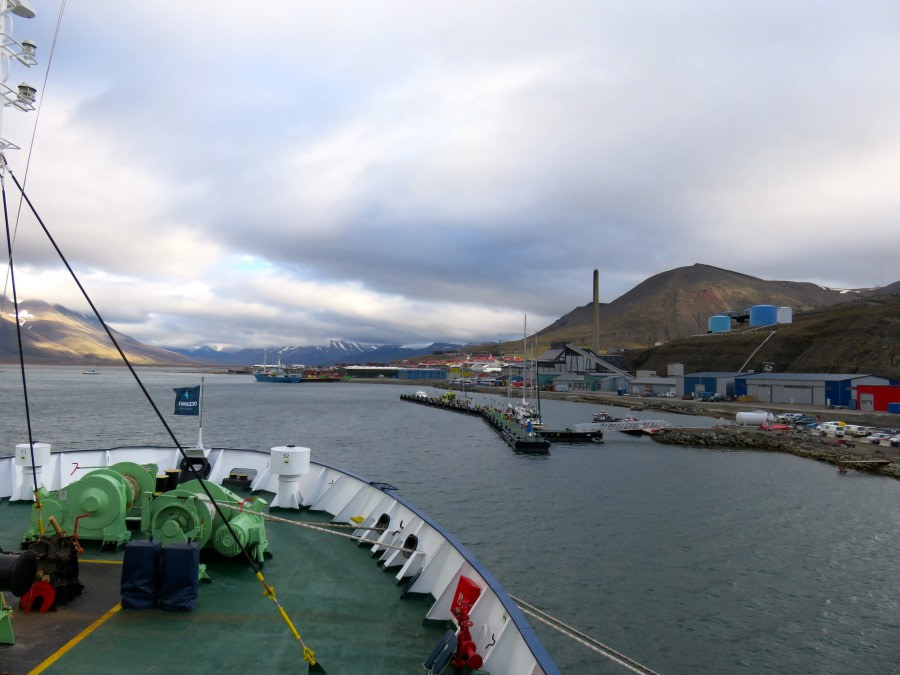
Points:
(187, 401)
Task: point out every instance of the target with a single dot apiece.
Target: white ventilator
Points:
(289, 463)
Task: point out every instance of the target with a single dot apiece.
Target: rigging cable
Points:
(586, 640)
(324, 527)
(268, 591)
(544, 617)
(37, 118)
(10, 280)
(12, 277)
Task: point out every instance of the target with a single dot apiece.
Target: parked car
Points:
(833, 428)
(789, 417)
(708, 396)
(805, 422)
(877, 437)
(858, 430)
(895, 441)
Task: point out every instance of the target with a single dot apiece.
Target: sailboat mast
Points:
(524, 356)
(534, 374)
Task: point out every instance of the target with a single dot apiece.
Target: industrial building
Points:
(756, 316)
(648, 383)
(700, 384)
(878, 398)
(804, 388)
(392, 372)
(583, 370)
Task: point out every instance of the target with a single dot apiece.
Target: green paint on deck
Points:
(346, 608)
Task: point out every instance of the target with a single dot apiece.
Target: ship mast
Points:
(23, 97)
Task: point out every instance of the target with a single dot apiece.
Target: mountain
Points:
(665, 309)
(337, 351)
(677, 304)
(53, 334)
(857, 336)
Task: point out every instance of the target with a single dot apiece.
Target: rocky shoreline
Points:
(858, 456)
(853, 454)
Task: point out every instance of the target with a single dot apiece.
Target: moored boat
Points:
(278, 373)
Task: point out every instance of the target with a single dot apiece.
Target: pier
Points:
(508, 428)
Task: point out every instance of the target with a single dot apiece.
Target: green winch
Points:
(186, 514)
(95, 507)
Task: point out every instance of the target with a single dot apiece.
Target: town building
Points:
(700, 385)
(828, 389)
(878, 398)
(582, 370)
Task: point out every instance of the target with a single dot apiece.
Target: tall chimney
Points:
(595, 343)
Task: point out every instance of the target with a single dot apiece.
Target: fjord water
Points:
(687, 560)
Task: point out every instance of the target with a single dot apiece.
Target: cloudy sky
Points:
(275, 172)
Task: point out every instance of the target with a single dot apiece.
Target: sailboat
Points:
(91, 371)
(526, 413)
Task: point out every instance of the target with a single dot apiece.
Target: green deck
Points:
(346, 609)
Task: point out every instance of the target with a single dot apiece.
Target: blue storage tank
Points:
(763, 315)
(718, 324)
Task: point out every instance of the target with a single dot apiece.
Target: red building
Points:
(877, 398)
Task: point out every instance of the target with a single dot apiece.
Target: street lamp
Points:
(767, 367)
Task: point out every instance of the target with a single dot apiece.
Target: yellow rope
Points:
(37, 507)
(269, 591)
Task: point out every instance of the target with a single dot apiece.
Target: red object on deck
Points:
(41, 594)
(467, 593)
(466, 651)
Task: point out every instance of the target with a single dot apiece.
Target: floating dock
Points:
(508, 428)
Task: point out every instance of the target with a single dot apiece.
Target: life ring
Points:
(200, 466)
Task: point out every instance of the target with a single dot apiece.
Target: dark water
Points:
(690, 561)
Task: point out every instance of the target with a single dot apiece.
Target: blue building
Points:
(699, 384)
(803, 388)
(395, 373)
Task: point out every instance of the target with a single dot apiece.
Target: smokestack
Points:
(595, 343)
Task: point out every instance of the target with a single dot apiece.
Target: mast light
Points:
(22, 100)
(27, 56)
(27, 94)
(21, 8)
